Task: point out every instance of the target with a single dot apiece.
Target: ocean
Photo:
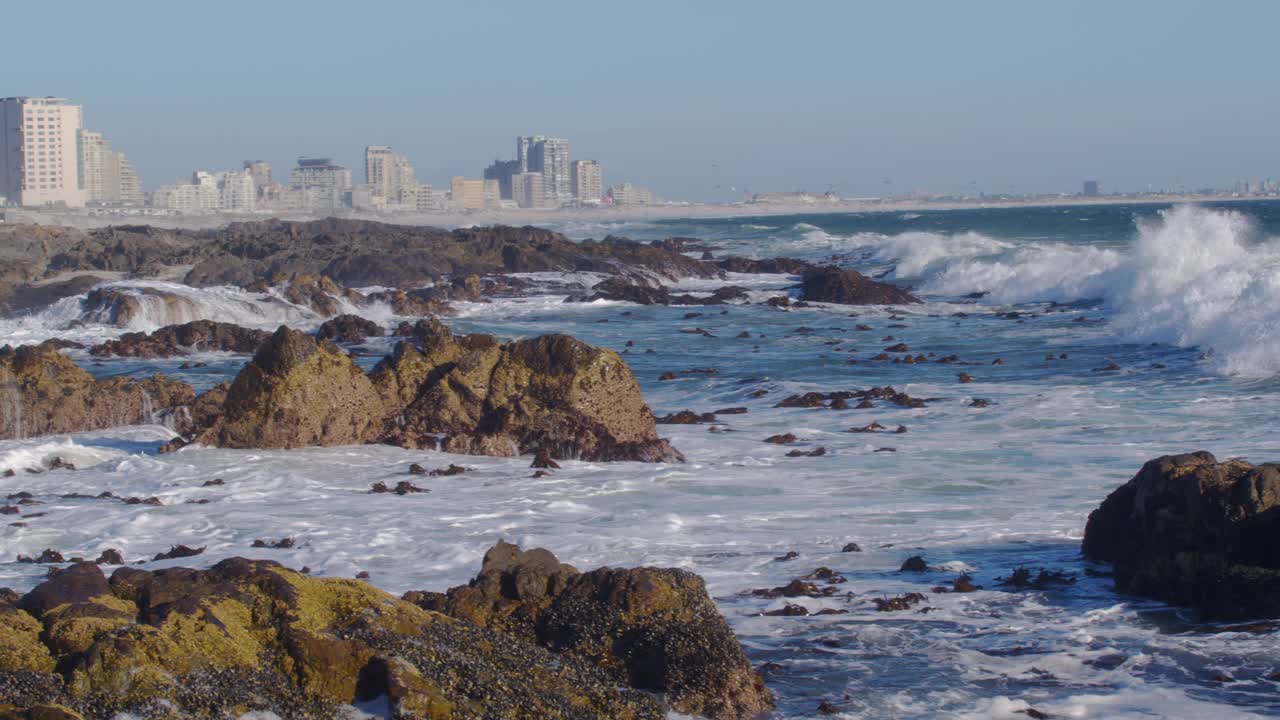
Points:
(1123, 333)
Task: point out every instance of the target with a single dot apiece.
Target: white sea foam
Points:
(1193, 277)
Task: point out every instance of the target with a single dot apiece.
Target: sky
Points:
(701, 100)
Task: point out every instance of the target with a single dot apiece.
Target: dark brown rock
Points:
(173, 340)
(849, 287)
(915, 563)
(349, 329)
(1191, 530)
(652, 629)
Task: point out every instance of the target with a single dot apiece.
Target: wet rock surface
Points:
(628, 290)
(54, 395)
(1191, 530)
(174, 340)
(849, 287)
(358, 253)
(348, 329)
(654, 629)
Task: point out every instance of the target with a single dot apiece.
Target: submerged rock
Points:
(122, 306)
(849, 287)
(1194, 531)
(44, 392)
(653, 629)
(172, 340)
(627, 290)
(317, 292)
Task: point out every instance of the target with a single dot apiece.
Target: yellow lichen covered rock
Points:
(297, 392)
(20, 647)
(45, 392)
(250, 635)
(653, 628)
(553, 393)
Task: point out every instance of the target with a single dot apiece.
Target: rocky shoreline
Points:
(528, 637)
(316, 263)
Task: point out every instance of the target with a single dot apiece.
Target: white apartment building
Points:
(319, 185)
(105, 175)
(39, 159)
(586, 181)
(225, 192)
(262, 180)
(390, 175)
(237, 191)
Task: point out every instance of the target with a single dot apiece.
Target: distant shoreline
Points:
(85, 219)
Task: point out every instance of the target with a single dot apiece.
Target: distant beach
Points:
(86, 219)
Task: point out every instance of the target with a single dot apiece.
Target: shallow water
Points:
(1184, 303)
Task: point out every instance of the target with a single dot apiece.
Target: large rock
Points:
(850, 287)
(43, 392)
(297, 392)
(552, 393)
(197, 336)
(249, 636)
(654, 629)
(1191, 530)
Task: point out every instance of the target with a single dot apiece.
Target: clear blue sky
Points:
(870, 97)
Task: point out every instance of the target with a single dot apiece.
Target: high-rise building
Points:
(39, 159)
(586, 181)
(105, 175)
(1091, 188)
(549, 157)
(527, 190)
(502, 170)
(389, 175)
(468, 194)
(319, 185)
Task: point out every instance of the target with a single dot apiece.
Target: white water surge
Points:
(1194, 277)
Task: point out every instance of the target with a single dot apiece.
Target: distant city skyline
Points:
(704, 103)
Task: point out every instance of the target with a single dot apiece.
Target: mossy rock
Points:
(252, 635)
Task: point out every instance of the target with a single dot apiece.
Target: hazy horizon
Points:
(697, 102)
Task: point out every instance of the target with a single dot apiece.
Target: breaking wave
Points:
(1193, 277)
